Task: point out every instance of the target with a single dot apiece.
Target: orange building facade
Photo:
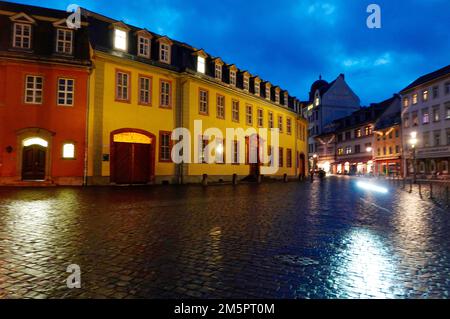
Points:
(44, 71)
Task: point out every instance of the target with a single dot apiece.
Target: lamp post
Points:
(413, 143)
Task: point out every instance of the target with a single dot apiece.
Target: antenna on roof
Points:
(320, 76)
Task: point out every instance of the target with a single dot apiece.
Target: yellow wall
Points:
(107, 115)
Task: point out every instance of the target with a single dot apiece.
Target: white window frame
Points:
(235, 111)
(165, 94)
(233, 77)
(64, 41)
(145, 90)
(270, 120)
(21, 37)
(144, 46)
(122, 88)
(246, 83)
(218, 71)
(67, 94)
(286, 99)
(257, 88)
(277, 97)
(249, 114)
(203, 101)
(280, 123)
(289, 126)
(35, 92)
(260, 117)
(164, 52)
(220, 106)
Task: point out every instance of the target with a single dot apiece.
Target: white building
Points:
(426, 114)
(328, 102)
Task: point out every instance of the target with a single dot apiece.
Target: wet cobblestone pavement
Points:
(296, 240)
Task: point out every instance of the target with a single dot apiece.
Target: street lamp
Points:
(413, 143)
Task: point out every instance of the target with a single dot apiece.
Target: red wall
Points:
(67, 123)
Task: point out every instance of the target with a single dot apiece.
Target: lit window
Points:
(35, 141)
(122, 86)
(218, 71)
(317, 102)
(165, 92)
(249, 115)
(233, 78)
(203, 102)
(120, 39)
(425, 116)
(260, 118)
(235, 111)
(405, 102)
(425, 95)
(164, 52)
(447, 111)
(64, 41)
(33, 89)
(22, 36)
(65, 92)
(69, 150)
(145, 91)
(414, 99)
(246, 83)
(144, 46)
(201, 64)
(220, 106)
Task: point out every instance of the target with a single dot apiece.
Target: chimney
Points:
(342, 75)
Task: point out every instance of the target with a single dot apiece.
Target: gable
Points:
(23, 18)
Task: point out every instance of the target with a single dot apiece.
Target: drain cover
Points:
(297, 261)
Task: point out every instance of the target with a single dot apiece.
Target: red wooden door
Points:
(132, 163)
(141, 163)
(122, 163)
(33, 162)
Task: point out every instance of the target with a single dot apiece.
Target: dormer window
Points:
(201, 68)
(286, 99)
(120, 39)
(218, 71)
(268, 92)
(277, 96)
(246, 82)
(257, 87)
(317, 101)
(144, 46)
(22, 36)
(64, 41)
(233, 77)
(165, 48)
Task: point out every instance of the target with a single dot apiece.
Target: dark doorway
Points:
(33, 162)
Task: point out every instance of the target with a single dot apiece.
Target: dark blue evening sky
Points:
(290, 43)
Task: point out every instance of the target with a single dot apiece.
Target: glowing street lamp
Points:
(413, 143)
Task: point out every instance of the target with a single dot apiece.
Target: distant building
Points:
(387, 146)
(328, 102)
(426, 112)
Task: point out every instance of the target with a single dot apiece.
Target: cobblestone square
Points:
(328, 239)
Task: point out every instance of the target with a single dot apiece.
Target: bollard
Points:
(431, 190)
(205, 180)
(235, 179)
(285, 179)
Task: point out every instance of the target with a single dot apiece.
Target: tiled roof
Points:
(428, 77)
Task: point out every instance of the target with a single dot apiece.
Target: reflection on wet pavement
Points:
(339, 240)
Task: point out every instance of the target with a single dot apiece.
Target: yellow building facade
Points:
(144, 86)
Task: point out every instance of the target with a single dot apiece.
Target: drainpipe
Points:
(86, 137)
(180, 121)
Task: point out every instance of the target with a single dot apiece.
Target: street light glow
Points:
(369, 149)
(372, 187)
(413, 139)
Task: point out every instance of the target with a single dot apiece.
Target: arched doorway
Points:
(132, 156)
(302, 165)
(34, 155)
